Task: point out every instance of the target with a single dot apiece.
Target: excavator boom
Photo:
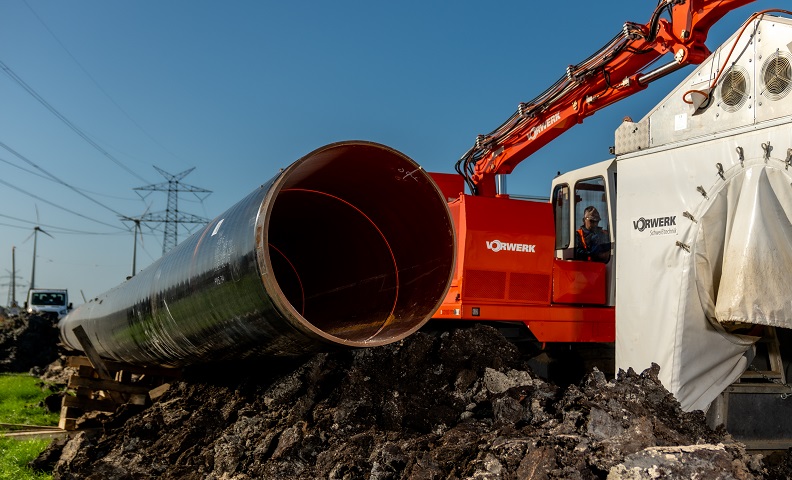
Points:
(611, 74)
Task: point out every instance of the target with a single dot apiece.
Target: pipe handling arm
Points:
(611, 74)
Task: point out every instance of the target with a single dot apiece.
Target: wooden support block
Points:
(67, 423)
(157, 392)
(68, 417)
(113, 366)
(103, 385)
(99, 384)
(83, 392)
(73, 361)
(86, 371)
(76, 362)
(53, 432)
(123, 376)
(96, 360)
(89, 404)
(71, 412)
(91, 353)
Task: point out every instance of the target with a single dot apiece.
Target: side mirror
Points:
(70, 305)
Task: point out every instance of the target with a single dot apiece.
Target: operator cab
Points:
(572, 193)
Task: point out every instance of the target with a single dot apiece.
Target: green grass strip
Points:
(20, 397)
(15, 455)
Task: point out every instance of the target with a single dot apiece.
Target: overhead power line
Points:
(53, 228)
(25, 192)
(45, 177)
(55, 178)
(65, 120)
(97, 83)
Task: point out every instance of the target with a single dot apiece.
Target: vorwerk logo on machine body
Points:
(544, 125)
(654, 226)
(497, 246)
(643, 223)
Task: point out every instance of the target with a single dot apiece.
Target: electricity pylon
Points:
(172, 217)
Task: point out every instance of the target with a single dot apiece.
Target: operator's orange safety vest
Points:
(583, 240)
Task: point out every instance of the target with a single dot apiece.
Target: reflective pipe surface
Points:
(350, 246)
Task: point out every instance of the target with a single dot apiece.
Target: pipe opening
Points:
(346, 234)
(333, 264)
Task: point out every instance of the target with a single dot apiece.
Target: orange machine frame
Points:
(514, 276)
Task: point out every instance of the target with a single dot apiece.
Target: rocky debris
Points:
(689, 461)
(56, 373)
(779, 465)
(54, 378)
(47, 460)
(27, 341)
(457, 405)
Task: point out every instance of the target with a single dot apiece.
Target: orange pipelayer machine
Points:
(509, 267)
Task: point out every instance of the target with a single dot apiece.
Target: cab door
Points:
(584, 279)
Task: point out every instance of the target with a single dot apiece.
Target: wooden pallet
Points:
(30, 432)
(102, 385)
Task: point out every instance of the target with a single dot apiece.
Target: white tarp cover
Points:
(688, 296)
(679, 308)
(756, 270)
(742, 272)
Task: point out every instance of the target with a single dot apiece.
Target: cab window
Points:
(561, 213)
(592, 237)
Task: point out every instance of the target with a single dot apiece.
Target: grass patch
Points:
(14, 456)
(20, 396)
(20, 400)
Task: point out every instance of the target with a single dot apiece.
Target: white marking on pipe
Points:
(217, 227)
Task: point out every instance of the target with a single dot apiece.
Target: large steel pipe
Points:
(352, 245)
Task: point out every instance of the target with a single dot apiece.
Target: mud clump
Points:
(461, 404)
(27, 342)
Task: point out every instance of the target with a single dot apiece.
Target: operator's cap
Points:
(594, 216)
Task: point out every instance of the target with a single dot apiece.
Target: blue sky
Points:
(241, 89)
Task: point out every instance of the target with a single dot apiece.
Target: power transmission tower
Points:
(172, 217)
(12, 301)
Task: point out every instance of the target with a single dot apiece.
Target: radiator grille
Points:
(529, 287)
(485, 284)
(523, 287)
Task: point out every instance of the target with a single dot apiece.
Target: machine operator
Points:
(591, 242)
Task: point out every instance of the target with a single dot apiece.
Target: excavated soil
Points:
(461, 404)
(27, 341)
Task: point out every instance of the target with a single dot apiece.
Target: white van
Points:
(47, 301)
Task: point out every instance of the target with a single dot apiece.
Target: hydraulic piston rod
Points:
(350, 246)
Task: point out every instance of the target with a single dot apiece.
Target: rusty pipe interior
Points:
(346, 285)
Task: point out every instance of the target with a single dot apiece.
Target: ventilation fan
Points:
(777, 76)
(734, 88)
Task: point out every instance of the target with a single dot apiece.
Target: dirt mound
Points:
(457, 405)
(27, 341)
